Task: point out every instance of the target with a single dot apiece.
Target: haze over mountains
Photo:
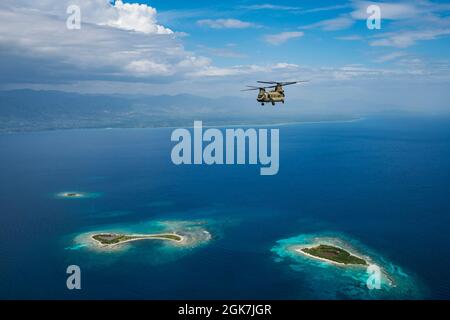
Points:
(29, 110)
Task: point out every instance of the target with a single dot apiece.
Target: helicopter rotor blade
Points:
(293, 82)
(267, 82)
(251, 88)
(258, 88)
(282, 83)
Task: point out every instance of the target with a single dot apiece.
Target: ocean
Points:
(378, 184)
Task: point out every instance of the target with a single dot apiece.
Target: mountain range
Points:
(31, 110)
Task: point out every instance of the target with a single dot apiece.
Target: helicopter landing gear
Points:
(282, 101)
(273, 103)
(262, 103)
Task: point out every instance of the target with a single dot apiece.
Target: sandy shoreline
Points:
(157, 236)
(299, 250)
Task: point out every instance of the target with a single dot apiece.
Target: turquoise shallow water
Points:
(345, 282)
(149, 252)
(380, 185)
(76, 195)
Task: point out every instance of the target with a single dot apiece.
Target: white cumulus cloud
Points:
(225, 24)
(116, 42)
(404, 39)
(339, 23)
(280, 38)
(136, 17)
(392, 11)
(148, 67)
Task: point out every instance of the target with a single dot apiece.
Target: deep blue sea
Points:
(380, 184)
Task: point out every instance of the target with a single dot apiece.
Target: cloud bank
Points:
(119, 41)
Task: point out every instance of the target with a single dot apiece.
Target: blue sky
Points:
(327, 26)
(213, 49)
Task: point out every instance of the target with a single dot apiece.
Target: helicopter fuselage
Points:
(273, 97)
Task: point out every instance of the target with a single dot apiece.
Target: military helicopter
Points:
(273, 96)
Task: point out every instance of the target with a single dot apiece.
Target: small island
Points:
(332, 254)
(112, 239)
(75, 195)
(72, 195)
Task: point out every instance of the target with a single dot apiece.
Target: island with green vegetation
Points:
(111, 239)
(332, 254)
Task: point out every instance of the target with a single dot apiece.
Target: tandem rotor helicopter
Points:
(273, 96)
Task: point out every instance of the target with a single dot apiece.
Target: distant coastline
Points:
(188, 126)
(27, 110)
